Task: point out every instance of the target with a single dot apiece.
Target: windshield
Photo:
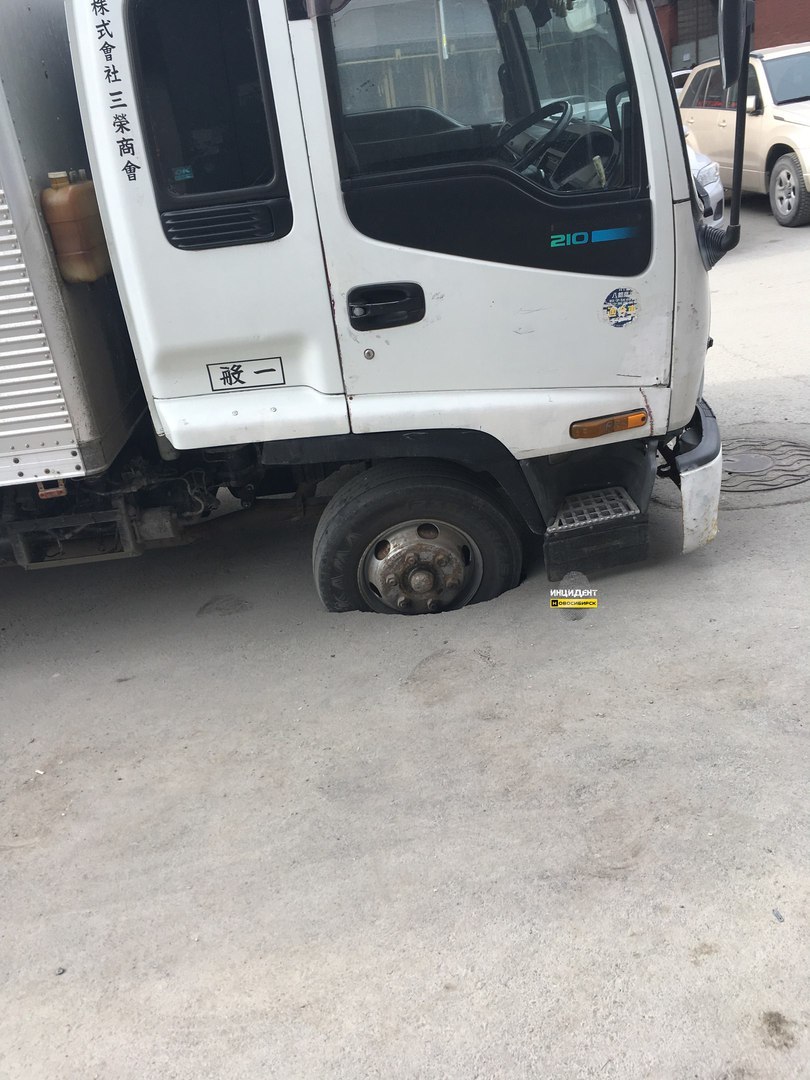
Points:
(789, 78)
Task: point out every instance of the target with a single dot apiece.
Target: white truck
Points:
(453, 244)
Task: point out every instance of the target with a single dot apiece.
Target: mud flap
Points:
(699, 470)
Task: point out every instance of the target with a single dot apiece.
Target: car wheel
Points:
(414, 539)
(790, 199)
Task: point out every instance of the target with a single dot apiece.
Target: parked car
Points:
(706, 174)
(777, 142)
(679, 78)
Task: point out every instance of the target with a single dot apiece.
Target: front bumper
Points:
(698, 471)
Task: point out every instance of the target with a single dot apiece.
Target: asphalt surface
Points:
(243, 838)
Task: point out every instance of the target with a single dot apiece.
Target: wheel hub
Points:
(785, 191)
(420, 567)
(421, 582)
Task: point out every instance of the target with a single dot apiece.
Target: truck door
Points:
(198, 152)
(494, 202)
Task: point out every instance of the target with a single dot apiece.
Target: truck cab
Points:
(449, 243)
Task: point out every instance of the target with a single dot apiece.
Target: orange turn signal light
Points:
(607, 425)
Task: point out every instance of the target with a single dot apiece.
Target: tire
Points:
(790, 199)
(412, 539)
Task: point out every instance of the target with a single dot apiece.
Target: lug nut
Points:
(434, 606)
(403, 603)
(441, 560)
(391, 581)
(410, 560)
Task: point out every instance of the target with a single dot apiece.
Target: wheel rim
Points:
(785, 192)
(420, 567)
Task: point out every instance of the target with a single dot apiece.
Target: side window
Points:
(207, 109)
(578, 59)
(431, 82)
(475, 127)
(713, 96)
(412, 78)
(753, 84)
(694, 92)
(751, 91)
(399, 58)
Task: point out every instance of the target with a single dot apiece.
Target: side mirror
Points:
(751, 105)
(734, 18)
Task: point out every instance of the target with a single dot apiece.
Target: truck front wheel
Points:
(414, 540)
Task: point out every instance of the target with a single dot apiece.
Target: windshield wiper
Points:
(793, 100)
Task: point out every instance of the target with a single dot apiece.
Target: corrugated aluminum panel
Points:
(37, 440)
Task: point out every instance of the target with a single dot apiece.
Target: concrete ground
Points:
(243, 838)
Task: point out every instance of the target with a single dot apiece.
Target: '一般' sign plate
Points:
(247, 375)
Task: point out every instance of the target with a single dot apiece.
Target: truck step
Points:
(595, 530)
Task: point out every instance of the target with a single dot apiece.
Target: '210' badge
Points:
(622, 307)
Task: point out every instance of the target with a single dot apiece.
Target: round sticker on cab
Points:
(622, 307)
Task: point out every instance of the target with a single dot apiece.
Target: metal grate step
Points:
(593, 508)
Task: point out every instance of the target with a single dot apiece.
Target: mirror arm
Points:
(713, 242)
(732, 234)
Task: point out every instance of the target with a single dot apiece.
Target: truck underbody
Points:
(591, 507)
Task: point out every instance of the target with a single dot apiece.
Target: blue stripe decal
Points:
(601, 236)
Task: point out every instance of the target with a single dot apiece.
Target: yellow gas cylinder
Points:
(71, 211)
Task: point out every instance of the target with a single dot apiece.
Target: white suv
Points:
(777, 133)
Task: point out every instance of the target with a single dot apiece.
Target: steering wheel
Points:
(566, 111)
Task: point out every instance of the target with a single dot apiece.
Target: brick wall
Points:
(778, 22)
(667, 13)
(687, 21)
(781, 22)
(696, 18)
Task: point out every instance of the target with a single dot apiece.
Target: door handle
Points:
(381, 307)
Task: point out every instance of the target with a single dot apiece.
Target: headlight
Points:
(709, 174)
